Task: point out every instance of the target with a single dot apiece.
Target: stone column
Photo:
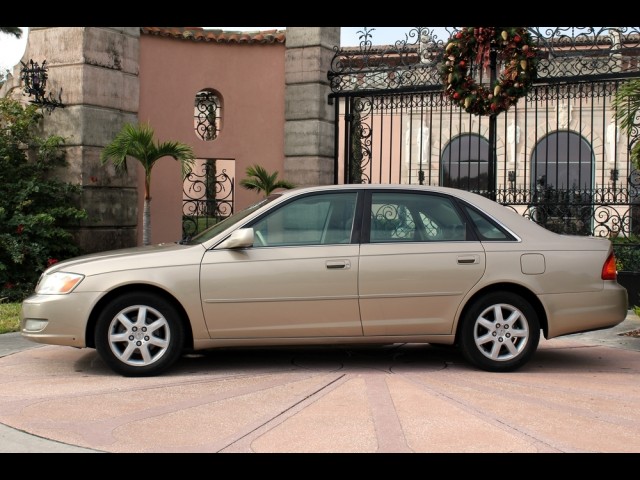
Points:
(97, 70)
(309, 119)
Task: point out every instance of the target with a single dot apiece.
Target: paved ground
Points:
(578, 394)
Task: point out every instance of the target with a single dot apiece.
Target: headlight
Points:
(58, 282)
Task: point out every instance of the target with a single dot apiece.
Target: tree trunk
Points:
(146, 222)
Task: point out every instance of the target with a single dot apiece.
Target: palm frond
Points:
(137, 142)
(259, 179)
(626, 104)
(15, 31)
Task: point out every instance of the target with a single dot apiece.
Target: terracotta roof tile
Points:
(199, 34)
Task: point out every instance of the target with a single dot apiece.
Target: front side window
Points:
(324, 219)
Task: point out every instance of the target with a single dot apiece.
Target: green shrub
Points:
(627, 250)
(36, 209)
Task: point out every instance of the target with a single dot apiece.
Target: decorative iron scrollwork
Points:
(207, 198)
(34, 77)
(207, 115)
(412, 64)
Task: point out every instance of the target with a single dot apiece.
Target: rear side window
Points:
(486, 228)
(415, 217)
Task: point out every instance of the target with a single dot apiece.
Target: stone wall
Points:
(97, 70)
(309, 123)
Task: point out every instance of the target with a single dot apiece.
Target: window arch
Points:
(465, 163)
(207, 113)
(562, 160)
(562, 178)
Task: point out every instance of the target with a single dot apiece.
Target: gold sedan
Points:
(347, 264)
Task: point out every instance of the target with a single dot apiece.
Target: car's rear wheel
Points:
(500, 332)
(139, 334)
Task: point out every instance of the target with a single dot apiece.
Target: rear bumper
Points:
(570, 313)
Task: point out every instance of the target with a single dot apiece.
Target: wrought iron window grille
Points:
(207, 115)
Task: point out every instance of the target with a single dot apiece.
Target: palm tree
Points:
(626, 104)
(260, 180)
(136, 141)
(15, 31)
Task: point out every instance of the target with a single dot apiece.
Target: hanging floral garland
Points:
(515, 51)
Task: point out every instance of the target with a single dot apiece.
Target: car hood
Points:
(164, 254)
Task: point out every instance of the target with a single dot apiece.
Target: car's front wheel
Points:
(139, 334)
(500, 332)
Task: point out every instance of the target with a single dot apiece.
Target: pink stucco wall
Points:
(250, 80)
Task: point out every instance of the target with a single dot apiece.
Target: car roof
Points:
(471, 197)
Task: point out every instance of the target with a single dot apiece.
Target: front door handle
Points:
(338, 264)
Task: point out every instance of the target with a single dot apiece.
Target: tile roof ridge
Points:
(218, 35)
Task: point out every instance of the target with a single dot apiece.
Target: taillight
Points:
(609, 268)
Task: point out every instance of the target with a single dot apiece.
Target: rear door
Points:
(418, 259)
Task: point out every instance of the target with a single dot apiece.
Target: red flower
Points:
(51, 261)
(8, 285)
(20, 229)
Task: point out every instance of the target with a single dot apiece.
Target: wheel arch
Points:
(525, 293)
(137, 288)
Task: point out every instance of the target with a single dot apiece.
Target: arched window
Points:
(465, 163)
(562, 179)
(207, 115)
(562, 160)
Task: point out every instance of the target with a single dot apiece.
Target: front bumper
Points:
(57, 319)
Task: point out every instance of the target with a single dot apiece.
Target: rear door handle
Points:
(468, 260)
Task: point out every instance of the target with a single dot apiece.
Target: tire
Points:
(500, 332)
(139, 334)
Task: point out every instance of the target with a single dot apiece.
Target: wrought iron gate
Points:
(207, 197)
(557, 156)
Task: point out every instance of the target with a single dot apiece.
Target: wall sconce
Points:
(34, 77)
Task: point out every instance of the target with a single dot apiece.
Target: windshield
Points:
(227, 222)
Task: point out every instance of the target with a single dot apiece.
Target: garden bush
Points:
(37, 211)
(627, 250)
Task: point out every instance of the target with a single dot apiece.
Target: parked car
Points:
(347, 264)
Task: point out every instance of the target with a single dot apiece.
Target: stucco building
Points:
(290, 101)
(261, 98)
